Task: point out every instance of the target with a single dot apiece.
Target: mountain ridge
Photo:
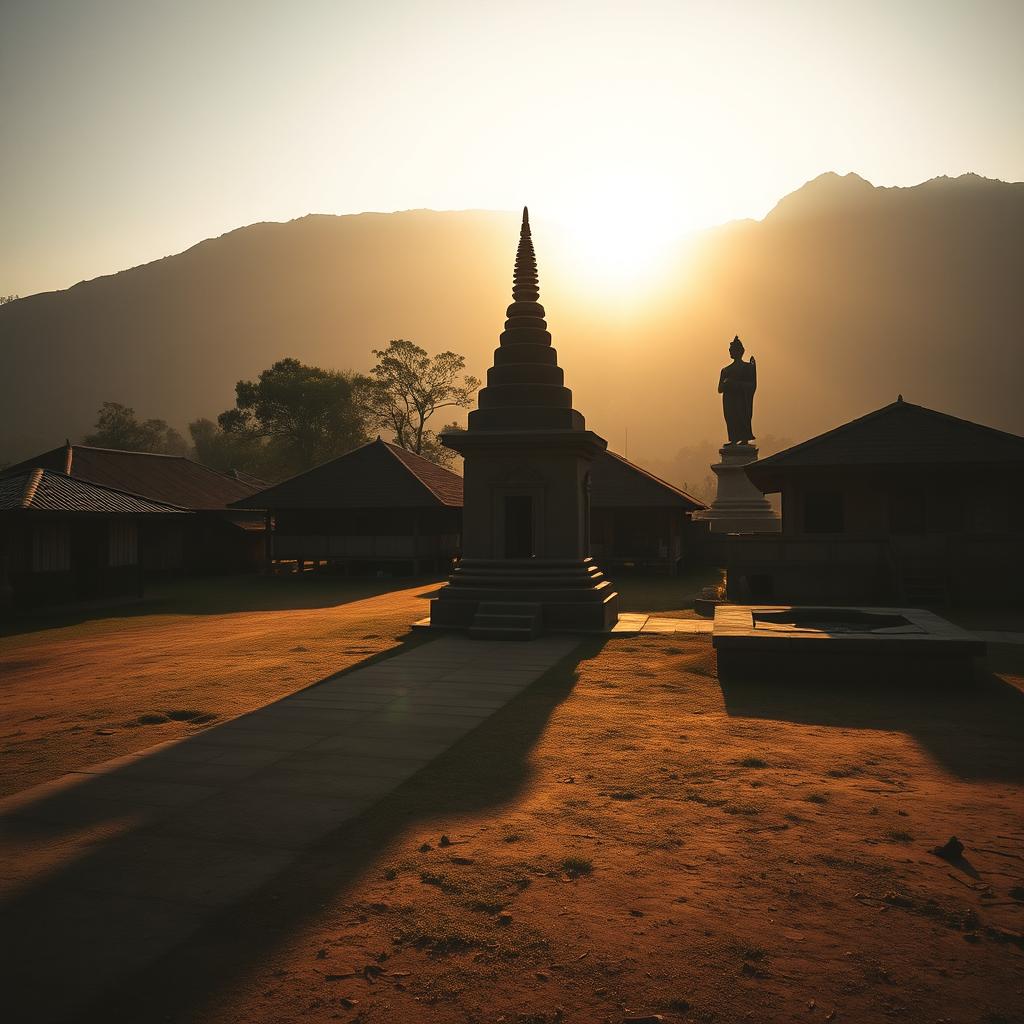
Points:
(917, 282)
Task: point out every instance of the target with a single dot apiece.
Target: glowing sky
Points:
(133, 128)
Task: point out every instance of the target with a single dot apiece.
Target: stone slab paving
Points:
(637, 624)
(104, 870)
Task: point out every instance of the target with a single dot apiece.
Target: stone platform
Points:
(739, 507)
(832, 644)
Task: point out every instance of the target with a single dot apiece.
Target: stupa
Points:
(527, 454)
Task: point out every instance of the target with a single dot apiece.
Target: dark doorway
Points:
(518, 526)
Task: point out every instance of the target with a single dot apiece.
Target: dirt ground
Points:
(79, 689)
(633, 837)
(73, 693)
(630, 837)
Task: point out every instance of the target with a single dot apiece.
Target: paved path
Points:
(637, 623)
(104, 870)
(640, 623)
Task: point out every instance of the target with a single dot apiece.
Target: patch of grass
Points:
(152, 718)
(513, 837)
(845, 772)
(442, 881)
(817, 798)
(748, 809)
(707, 801)
(752, 762)
(624, 794)
(755, 954)
(576, 866)
(899, 836)
(390, 874)
(487, 906)
(190, 715)
(441, 939)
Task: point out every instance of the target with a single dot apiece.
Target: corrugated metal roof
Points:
(171, 479)
(374, 475)
(43, 490)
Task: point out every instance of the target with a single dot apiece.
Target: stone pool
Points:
(833, 643)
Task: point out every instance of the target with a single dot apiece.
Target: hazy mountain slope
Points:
(846, 293)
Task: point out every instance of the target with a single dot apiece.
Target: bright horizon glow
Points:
(133, 131)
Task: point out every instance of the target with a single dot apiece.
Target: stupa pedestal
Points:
(739, 506)
(527, 454)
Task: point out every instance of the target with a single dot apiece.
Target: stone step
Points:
(506, 620)
(486, 592)
(524, 621)
(510, 608)
(501, 633)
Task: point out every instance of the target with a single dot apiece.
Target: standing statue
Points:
(737, 384)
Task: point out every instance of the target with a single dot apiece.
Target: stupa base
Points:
(519, 598)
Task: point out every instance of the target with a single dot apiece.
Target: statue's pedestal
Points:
(739, 506)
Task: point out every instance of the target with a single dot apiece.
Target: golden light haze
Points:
(132, 131)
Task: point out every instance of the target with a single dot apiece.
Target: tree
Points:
(226, 451)
(4, 299)
(117, 427)
(407, 387)
(295, 416)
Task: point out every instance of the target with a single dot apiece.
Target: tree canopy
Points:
(118, 427)
(292, 417)
(408, 387)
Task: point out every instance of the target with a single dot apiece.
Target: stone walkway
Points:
(638, 623)
(105, 869)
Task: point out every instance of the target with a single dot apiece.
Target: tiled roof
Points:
(375, 475)
(899, 434)
(615, 482)
(43, 490)
(172, 479)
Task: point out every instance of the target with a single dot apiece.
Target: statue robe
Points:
(737, 383)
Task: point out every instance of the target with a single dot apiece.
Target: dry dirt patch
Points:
(630, 838)
(75, 694)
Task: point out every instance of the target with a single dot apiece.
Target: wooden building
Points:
(215, 539)
(904, 505)
(65, 541)
(639, 521)
(382, 508)
(377, 508)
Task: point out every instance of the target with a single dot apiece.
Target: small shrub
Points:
(576, 866)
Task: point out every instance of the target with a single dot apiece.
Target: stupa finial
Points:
(525, 287)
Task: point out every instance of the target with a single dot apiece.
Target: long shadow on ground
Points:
(486, 768)
(975, 730)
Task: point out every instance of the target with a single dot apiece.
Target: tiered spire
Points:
(525, 286)
(525, 388)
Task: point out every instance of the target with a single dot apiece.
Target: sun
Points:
(619, 240)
